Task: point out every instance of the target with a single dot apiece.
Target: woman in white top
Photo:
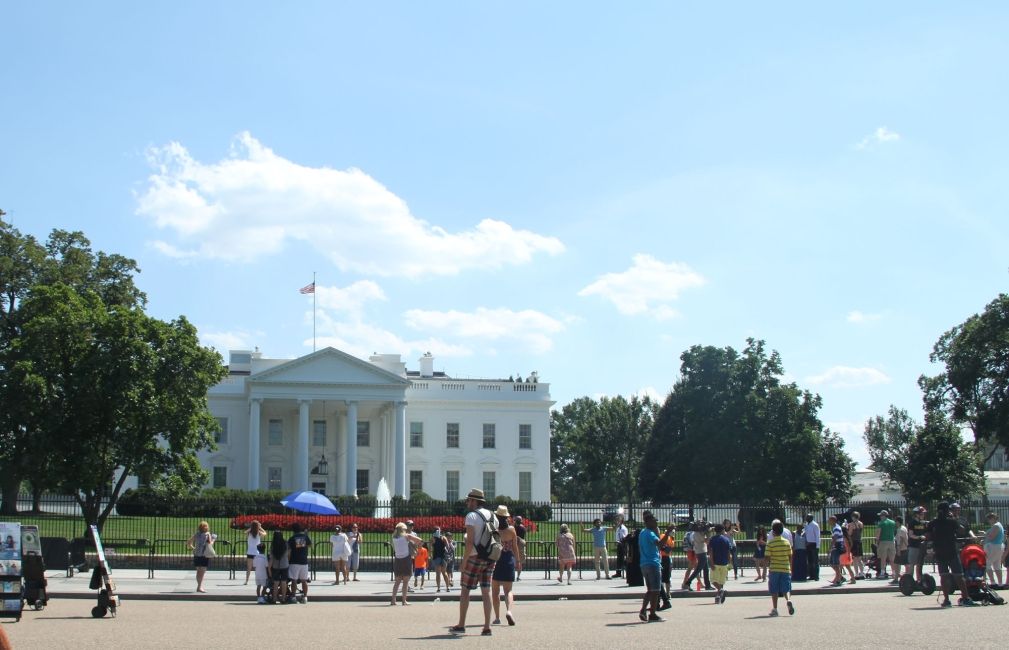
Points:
(341, 553)
(402, 563)
(256, 536)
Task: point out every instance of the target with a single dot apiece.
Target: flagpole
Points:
(314, 294)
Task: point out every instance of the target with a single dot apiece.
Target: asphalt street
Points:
(860, 620)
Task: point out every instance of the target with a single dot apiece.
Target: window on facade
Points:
(452, 435)
(489, 485)
(416, 434)
(319, 433)
(489, 436)
(525, 486)
(276, 433)
(220, 477)
(363, 433)
(525, 436)
(221, 436)
(273, 476)
(452, 485)
(319, 486)
(416, 481)
(362, 482)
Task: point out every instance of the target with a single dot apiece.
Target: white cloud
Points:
(881, 135)
(646, 287)
(530, 328)
(350, 300)
(232, 340)
(848, 377)
(254, 203)
(861, 318)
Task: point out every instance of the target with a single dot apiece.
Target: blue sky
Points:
(581, 189)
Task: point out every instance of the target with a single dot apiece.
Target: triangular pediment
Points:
(328, 366)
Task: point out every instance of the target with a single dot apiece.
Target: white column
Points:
(254, 416)
(351, 478)
(400, 451)
(301, 451)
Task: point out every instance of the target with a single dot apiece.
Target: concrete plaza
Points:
(858, 620)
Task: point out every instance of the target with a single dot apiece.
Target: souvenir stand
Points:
(10, 570)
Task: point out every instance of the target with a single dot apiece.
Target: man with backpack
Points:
(477, 567)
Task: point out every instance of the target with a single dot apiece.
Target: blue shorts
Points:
(651, 573)
(779, 583)
(419, 573)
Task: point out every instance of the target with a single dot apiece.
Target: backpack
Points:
(688, 542)
(488, 543)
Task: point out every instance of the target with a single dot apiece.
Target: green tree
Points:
(730, 410)
(889, 441)
(567, 473)
(929, 462)
(974, 387)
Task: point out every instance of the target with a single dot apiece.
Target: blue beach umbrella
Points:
(311, 502)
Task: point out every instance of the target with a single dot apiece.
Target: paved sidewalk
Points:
(133, 584)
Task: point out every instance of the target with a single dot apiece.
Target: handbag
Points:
(208, 549)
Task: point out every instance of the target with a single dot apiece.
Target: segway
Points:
(908, 585)
(101, 580)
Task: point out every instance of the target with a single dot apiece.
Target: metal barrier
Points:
(170, 554)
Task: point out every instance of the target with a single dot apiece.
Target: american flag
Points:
(308, 288)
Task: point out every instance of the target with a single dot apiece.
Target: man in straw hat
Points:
(475, 570)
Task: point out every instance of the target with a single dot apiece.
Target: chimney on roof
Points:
(427, 365)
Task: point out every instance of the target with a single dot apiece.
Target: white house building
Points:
(336, 424)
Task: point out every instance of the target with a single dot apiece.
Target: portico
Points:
(311, 409)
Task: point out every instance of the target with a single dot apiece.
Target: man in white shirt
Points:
(621, 534)
(811, 533)
(475, 570)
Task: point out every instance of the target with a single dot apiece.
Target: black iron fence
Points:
(158, 542)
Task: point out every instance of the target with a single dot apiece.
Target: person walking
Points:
(202, 545)
(994, 543)
(886, 548)
(476, 571)
(811, 534)
(504, 570)
(666, 542)
(837, 549)
(599, 547)
(900, 543)
(255, 536)
(420, 565)
(700, 543)
(402, 563)
(356, 539)
(278, 567)
(779, 582)
(648, 553)
(297, 560)
(565, 544)
(438, 559)
(943, 532)
(721, 555)
(688, 550)
(760, 554)
(341, 553)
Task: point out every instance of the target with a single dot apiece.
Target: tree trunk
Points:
(11, 487)
(37, 500)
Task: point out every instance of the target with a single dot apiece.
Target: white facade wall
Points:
(332, 387)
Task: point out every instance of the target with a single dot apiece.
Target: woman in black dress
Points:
(504, 570)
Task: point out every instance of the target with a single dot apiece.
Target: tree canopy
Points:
(973, 389)
(731, 432)
(102, 390)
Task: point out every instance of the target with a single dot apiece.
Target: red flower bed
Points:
(364, 524)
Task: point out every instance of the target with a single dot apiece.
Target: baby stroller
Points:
(873, 564)
(972, 557)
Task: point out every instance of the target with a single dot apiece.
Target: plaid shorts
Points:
(476, 572)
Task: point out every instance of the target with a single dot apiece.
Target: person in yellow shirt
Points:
(779, 583)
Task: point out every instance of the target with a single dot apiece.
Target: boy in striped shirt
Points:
(779, 583)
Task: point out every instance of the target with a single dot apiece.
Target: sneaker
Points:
(664, 606)
(304, 600)
(791, 608)
(655, 618)
(944, 604)
(261, 600)
(967, 602)
(722, 599)
(773, 613)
